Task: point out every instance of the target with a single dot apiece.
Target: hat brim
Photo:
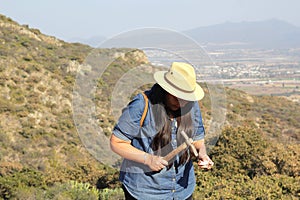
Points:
(196, 95)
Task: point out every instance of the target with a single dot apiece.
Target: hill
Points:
(42, 157)
(39, 141)
(266, 34)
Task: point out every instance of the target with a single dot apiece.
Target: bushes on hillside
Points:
(249, 167)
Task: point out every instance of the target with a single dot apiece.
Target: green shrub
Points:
(72, 190)
(17, 96)
(108, 194)
(6, 106)
(239, 151)
(10, 183)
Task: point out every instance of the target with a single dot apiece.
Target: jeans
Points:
(129, 197)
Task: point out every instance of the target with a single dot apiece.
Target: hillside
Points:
(42, 156)
(38, 136)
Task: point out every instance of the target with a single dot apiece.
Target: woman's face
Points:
(174, 103)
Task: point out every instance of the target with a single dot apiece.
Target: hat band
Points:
(176, 87)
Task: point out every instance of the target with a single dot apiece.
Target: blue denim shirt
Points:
(141, 183)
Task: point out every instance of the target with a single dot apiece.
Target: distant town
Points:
(259, 72)
(258, 64)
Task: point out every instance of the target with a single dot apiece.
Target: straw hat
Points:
(180, 81)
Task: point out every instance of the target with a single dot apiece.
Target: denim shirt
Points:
(174, 183)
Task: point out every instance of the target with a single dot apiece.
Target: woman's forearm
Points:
(126, 150)
(200, 146)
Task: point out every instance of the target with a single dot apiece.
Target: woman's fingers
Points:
(156, 163)
(163, 161)
(205, 162)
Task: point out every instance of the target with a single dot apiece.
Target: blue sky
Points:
(67, 19)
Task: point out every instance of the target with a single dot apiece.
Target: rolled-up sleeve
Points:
(128, 125)
(199, 128)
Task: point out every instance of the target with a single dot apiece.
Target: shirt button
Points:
(173, 190)
(174, 179)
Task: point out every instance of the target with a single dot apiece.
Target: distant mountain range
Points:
(271, 33)
(92, 41)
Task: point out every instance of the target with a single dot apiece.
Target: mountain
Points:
(94, 41)
(271, 33)
(43, 157)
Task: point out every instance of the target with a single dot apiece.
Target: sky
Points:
(69, 19)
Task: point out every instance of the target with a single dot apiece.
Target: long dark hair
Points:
(161, 143)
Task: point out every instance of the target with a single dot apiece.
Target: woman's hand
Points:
(155, 163)
(205, 162)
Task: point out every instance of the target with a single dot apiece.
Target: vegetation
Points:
(249, 166)
(256, 157)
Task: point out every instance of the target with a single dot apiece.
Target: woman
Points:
(172, 108)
